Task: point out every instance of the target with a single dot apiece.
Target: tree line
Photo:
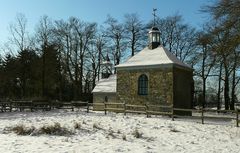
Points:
(62, 59)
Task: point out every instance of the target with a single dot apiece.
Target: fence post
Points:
(31, 106)
(202, 116)
(10, 106)
(105, 110)
(146, 109)
(124, 105)
(237, 113)
(87, 107)
(172, 113)
(72, 106)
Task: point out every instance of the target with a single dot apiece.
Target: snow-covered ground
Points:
(115, 133)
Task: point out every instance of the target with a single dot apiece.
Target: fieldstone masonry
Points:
(160, 86)
(166, 86)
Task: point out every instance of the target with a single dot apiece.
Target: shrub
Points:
(77, 125)
(174, 130)
(83, 122)
(96, 126)
(124, 137)
(110, 133)
(137, 134)
(55, 129)
(22, 130)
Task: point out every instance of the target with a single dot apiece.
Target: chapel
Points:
(153, 76)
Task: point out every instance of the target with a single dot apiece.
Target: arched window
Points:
(143, 85)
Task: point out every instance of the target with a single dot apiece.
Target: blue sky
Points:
(96, 10)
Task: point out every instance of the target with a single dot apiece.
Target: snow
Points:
(159, 134)
(106, 85)
(156, 57)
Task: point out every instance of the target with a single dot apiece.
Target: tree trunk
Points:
(81, 77)
(133, 45)
(219, 88)
(99, 64)
(226, 86)
(43, 72)
(204, 78)
(204, 93)
(233, 83)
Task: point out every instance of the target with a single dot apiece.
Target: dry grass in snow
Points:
(65, 131)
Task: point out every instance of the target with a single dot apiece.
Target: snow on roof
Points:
(157, 56)
(106, 85)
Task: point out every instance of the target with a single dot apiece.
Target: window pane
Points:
(150, 37)
(154, 37)
(143, 85)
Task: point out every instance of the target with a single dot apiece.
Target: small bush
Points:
(83, 122)
(137, 134)
(119, 132)
(124, 137)
(55, 129)
(96, 126)
(77, 125)
(174, 130)
(110, 133)
(22, 130)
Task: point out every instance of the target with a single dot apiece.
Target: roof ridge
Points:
(158, 56)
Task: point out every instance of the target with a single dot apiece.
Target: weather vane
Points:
(154, 16)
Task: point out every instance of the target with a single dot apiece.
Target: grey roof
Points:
(156, 57)
(106, 85)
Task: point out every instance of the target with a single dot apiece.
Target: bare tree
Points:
(95, 56)
(101, 45)
(226, 15)
(207, 61)
(221, 48)
(19, 33)
(115, 32)
(134, 32)
(75, 37)
(43, 35)
(44, 31)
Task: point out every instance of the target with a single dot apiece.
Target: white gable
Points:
(106, 85)
(147, 57)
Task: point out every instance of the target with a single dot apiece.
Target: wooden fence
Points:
(171, 111)
(119, 107)
(15, 105)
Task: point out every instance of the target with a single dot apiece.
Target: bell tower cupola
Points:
(154, 34)
(154, 38)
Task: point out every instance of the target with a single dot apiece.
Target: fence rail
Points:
(41, 105)
(120, 107)
(146, 109)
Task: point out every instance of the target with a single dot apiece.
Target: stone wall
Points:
(160, 86)
(183, 86)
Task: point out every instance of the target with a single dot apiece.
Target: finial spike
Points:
(154, 16)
